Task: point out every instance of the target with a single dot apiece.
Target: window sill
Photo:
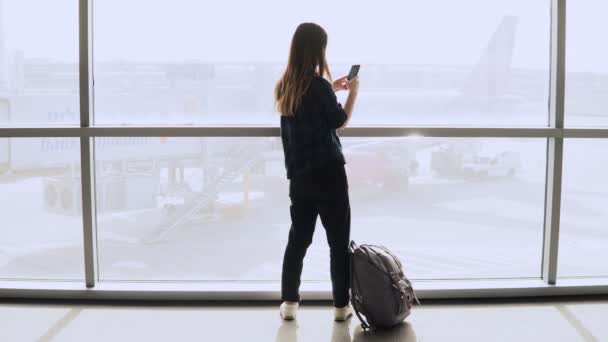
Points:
(255, 291)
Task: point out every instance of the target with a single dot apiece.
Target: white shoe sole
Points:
(342, 319)
(287, 318)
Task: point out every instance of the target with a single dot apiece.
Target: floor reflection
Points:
(403, 332)
(288, 332)
(341, 332)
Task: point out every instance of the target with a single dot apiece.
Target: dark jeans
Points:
(322, 193)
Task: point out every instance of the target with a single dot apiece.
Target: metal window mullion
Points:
(555, 145)
(586, 133)
(245, 131)
(87, 146)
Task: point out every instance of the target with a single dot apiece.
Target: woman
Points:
(310, 115)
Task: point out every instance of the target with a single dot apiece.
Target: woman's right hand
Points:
(353, 85)
(353, 90)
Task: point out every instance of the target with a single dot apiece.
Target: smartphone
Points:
(354, 71)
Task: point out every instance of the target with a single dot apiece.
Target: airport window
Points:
(41, 229)
(451, 208)
(587, 69)
(472, 200)
(583, 235)
(420, 64)
(167, 207)
(164, 215)
(39, 63)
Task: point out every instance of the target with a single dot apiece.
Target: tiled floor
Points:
(563, 321)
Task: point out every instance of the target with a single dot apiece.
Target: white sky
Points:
(384, 31)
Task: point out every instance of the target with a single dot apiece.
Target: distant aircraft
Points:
(484, 90)
(483, 93)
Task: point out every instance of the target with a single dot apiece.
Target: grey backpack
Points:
(379, 289)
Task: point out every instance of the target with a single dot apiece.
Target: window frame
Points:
(555, 133)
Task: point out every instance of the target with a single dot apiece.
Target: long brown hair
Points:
(306, 59)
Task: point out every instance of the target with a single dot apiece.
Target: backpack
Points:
(379, 289)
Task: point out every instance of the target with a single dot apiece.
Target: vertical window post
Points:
(87, 148)
(555, 145)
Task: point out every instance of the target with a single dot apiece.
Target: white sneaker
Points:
(342, 314)
(289, 310)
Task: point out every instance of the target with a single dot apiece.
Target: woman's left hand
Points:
(340, 84)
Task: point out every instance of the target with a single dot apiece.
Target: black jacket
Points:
(309, 137)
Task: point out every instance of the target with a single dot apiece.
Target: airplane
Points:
(482, 97)
(393, 161)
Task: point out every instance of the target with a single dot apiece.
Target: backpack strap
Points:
(398, 262)
(364, 324)
(356, 299)
(352, 246)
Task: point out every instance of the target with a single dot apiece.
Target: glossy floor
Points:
(545, 321)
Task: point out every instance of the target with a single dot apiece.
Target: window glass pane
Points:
(186, 63)
(587, 70)
(40, 206)
(584, 221)
(38, 62)
(218, 208)
(471, 208)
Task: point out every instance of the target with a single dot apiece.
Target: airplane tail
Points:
(492, 74)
